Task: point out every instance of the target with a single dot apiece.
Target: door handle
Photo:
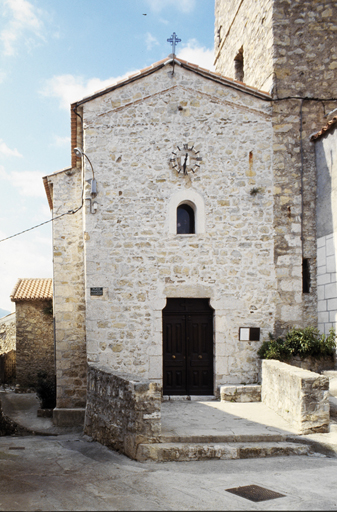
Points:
(200, 357)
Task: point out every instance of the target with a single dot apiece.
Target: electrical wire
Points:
(70, 212)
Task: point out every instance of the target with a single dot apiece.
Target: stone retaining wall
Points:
(7, 349)
(122, 410)
(299, 396)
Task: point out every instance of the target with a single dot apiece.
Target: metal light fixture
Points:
(80, 153)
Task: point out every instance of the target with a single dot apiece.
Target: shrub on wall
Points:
(307, 342)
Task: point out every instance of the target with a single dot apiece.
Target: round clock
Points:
(185, 159)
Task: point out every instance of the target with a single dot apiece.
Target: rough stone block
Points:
(298, 395)
(249, 393)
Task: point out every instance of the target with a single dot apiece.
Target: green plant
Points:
(46, 390)
(299, 342)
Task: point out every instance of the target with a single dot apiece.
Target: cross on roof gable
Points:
(172, 60)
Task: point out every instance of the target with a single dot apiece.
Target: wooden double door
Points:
(188, 347)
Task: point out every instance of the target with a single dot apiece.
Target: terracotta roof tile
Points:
(325, 128)
(32, 289)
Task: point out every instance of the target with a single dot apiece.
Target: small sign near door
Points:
(249, 334)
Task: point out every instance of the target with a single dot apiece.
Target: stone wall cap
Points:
(291, 369)
(8, 318)
(134, 379)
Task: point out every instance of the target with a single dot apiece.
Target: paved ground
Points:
(71, 473)
(221, 418)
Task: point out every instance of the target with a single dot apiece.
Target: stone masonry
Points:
(289, 49)
(68, 296)
(122, 412)
(326, 161)
(130, 250)
(7, 348)
(299, 396)
(254, 198)
(34, 342)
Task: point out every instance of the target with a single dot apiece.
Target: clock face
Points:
(185, 159)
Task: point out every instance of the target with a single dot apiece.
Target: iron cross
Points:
(174, 40)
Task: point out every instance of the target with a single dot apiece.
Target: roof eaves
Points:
(325, 129)
(212, 75)
(15, 289)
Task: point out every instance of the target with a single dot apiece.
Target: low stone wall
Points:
(299, 396)
(242, 393)
(122, 410)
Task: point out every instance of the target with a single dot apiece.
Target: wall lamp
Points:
(78, 152)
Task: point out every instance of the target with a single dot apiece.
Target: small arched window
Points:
(185, 220)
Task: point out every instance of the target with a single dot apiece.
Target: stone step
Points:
(225, 438)
(184, 452)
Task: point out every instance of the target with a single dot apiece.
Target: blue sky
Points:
(54, 52)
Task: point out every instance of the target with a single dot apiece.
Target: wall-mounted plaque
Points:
(249, 334)
(96, 291)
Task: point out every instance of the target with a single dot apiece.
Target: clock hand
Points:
(184, 166)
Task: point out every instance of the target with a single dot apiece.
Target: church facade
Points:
(185, 228)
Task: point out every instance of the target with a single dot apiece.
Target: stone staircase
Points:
(192, 448)
(193, 432)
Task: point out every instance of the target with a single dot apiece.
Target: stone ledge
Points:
(185, 452)
(68, 417)
(242, 393)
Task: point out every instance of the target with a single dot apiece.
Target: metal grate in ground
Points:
(255, 493)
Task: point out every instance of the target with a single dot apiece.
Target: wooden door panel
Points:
(174, 356)
(187, 347)
(199, 329)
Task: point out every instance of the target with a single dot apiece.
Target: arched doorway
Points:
(188, 347)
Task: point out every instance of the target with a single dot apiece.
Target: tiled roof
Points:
(325, 129)
(187, 65)
(32, 289)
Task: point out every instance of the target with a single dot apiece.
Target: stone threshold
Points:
(189, 398)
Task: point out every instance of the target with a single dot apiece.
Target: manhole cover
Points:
(255, 493)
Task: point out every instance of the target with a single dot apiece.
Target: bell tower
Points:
(287, 48)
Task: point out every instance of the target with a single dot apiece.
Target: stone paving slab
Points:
(221, 418)
(70, 473)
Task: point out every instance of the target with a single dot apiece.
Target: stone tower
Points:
(289, 49)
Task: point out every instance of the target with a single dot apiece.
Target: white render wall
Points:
(130, 249)
(327, 283)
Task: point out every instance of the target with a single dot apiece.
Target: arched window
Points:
(185, 220)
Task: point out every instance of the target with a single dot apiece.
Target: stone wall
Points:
(246, 24)
(68, 291)
(7, 349)
(299, 396)
(122, 411)
(326, 162)
(130, 249)
(289, 48)
(34, 342)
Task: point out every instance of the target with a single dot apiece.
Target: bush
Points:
(307, 342)
(46, 390)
